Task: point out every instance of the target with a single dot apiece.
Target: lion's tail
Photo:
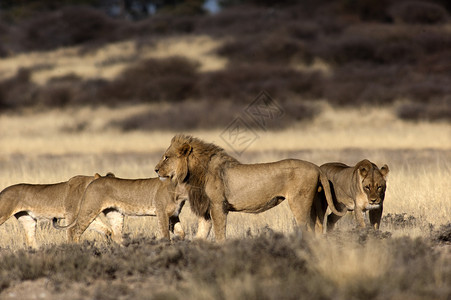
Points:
(57, 226)
(328, 194)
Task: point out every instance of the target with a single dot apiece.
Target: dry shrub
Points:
(433, 40)
(443, 234)
(170, 79)
(398, 52)
(437, 63)
(242, 83)
(303, 30)
(359, 84)
(191, 115)
(418, 12)
(159, 25)
(243, 20)
(270, 266)
(274, 48)
(18, 91)
(347, 48)
(66, 27)
(427, 89)
(369, 10)
(439, 110)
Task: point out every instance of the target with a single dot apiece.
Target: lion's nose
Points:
(156, 170)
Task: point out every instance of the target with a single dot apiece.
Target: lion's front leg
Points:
(163, 224)
(375, 217)
(203, 228)
(219, 218)
(359, 217)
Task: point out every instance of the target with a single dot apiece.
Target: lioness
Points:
(117, 197)
(29, 202)
(359, 188)
(217, 183)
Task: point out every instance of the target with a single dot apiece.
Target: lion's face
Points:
(174, 163)
(374, 185)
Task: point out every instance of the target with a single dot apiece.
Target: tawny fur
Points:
(360, 188)
(218, 183)
(30, 202)
(117, 197)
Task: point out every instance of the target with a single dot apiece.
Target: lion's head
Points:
(187, 161)
(373, 182)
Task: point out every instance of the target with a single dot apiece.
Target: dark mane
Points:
(199, 168)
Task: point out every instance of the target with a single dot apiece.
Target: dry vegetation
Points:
(265, 257)
(109, 95)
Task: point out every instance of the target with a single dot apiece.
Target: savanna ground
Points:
(264, 257)
(108, 98)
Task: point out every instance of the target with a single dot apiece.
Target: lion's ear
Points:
(97, 175)
(185, 150)
(363, 170)
(364, 167)
(384, 170)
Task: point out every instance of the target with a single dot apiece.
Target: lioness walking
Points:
(30, 202)
(217, 183)
(360, 188)
(117, 197)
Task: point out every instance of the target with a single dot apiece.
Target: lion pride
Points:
(30, 202)
(217, 184)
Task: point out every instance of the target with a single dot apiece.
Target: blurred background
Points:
(200, 63)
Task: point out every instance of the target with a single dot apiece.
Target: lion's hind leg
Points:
(29, 225)
(116, 220)
(301, 205)
(86, 218)
(176, 227)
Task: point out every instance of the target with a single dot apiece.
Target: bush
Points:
(418, 12)
(158, 25)
(190, 115)
(439, 110)
(359, 84)
(397, 52)
(368, 10)
(425, 88)
(171, 79)
(66, 27)
(274, 48)
(243, 83)
(437, 63)
(243, 21)
(348, 48)
(18, 91)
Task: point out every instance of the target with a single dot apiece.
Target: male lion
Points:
(29, 202)
(217, 183)
(117, 197)
(359, 188)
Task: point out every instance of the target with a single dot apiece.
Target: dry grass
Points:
(87, 130)
(46, 147)
(51, 146)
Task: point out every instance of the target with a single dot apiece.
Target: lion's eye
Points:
(367, 188)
